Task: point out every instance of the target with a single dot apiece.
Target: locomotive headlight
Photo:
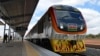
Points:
(61, 26)
(81, 28)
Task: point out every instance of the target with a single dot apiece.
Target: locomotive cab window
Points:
(71, 21)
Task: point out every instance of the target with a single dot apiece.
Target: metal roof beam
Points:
(20, 15)
(15, 17)
(4, 1)
(24, 22)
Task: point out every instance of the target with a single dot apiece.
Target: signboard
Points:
(72, 27)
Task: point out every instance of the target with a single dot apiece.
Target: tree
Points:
(90, 36)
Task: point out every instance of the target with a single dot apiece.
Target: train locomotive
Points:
(61, 29)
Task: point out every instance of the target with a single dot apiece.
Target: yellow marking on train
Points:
(64, 46)
(30, 50)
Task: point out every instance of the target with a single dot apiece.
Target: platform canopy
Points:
(1, 23)
(17, 13)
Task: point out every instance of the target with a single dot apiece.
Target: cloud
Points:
(95, 30)
(33, 22)
(74, 2)
(43, 5)
(55, 1)
(93, 1)
(98, 3)
(92, 18)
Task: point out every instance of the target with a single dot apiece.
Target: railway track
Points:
(92, 52)
(93, 46)
(89, 52)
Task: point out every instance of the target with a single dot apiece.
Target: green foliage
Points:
(93, 36)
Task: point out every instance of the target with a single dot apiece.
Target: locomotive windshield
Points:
(71, 21)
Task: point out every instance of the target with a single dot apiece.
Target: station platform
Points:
(14, 48)
(17, 48)
(25, 48)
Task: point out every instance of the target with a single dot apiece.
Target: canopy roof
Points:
(17, 13)
(1, 23)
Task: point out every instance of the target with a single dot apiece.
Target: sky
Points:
(89, 8)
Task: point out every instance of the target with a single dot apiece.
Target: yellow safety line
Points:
(30, 51)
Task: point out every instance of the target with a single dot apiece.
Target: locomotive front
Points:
(69, 29)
